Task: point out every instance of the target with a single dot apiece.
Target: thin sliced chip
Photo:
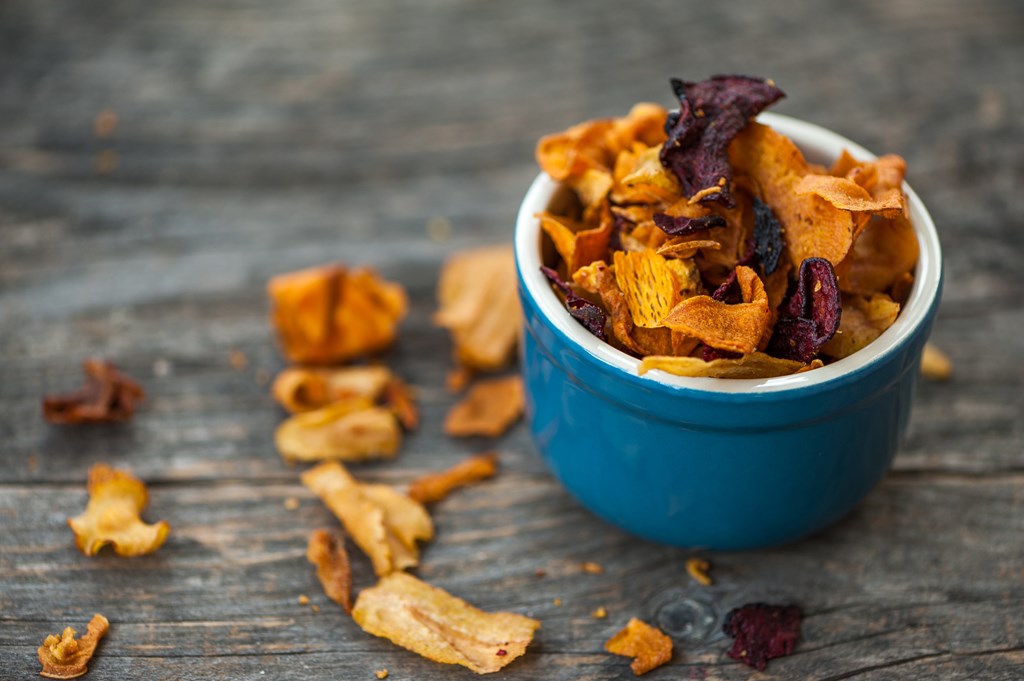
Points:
(735, 328)
(116, 498)
(108, 395)
(591, 316)
(863, 321)
(848, 195)
(326, 550)
(566, 156)
(645, 123)
(352, 430)
(300, 389)
(647, 645)
(754, 365)
(440, 627)
(401, 399)
(65, 657)
(433, 487)
(489, 409)
(811, 315)
(883, 254)
(383, 522)
(935, 364)
(577, 244)
(600, 278)
(648, 285)
(686, 249)
(480, 307)
(330, 314)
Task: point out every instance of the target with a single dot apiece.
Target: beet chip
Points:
(710, 114)
(762, 632)
(810, 317)
(108, 395)
(582, 310)
(683, 226)
(768, 243)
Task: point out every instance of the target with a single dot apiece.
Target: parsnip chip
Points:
(754, 365)
(648, 285)
(935, 364)
(863, 321)
(440, 627)
(848, 195)
(383, 522)
(352, 430)
(577, 244)
(116, 498)
(330, 314)
(65, 657)
(480, 307)
(300, 389)
(883, 254)
(436, 486)
(734, 328)
(647, 645)
(326, 550)
(490, 407)
(108, 395)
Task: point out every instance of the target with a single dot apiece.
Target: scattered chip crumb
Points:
(162, 368)
(540, 573)
(262, 377)
(457, 379)
(935, 364)
(65, 657)
(107, 162)
(315, 608)
(381, 673)
(291, 503)
(557, 601)
(433, 487)
(698, 569)
(647, 645)
(32, 463)
(105, 123)
(238, 360)
(592, 568)
(600, 613)
(439, 229)
(303, 599)
(326, 550)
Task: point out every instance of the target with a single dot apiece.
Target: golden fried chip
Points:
(862, 321)
(645, 123)
(649, 286)
(299, 389)
(754, 365)
(935, 364)
(641, 178)
(599, 278)
(384, 523)
(490, 407)
(116, 498)
(735, 328)
(330, 314)
(352, 430)
(436, 486)
(399, 397)
(884, 253)
(848, 195)
(567, 155)
(108, 395)
(647, 645)
(326, 550)
(577, 244)
(480, 307)
(65, 657)
(686, 248)
(813, 227)
(440, 627)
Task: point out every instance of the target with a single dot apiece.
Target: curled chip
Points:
(440, 627)
(863, 321)
(353, 430)
(65, 657)
(754, 365)
(762, 632)
(811, 315)
(436, 486)
(384, 523)
(108, 395)
(698, 568)
(116, 498)
(490, 407)
(884, 253)
(685, 226)
(300, 389)
(848, 195)
(577, 244)
(330, 314)
(479, 306)
(647, 645)
(326, 550)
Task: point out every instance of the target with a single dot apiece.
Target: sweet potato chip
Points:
(436, 486)
(65, 657)
(935, 364)
(649, 286)
(600, 278)
(440, 627)
(383, 522)
(754, 365)
(567, 155)
(884, 252)
(352, 430)
(863, 321)
(479, 306)
(735, 328)
(575, 243)
(647, 645)
(848, 195)
(490, 407)
(326, 550)
(300, 389)
(108, 395)
(116, 498)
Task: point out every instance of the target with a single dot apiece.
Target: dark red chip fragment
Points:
(582, 310)
(711, 113)
(681, 226)
(762, 632)
(810, 316)
(768, 244)
(107, 395)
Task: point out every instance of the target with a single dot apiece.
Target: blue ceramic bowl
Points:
(717, 463)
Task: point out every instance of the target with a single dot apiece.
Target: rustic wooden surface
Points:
(257, 138)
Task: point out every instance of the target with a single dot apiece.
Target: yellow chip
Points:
(578, 245)
(885, 252)
(754, 365)
(648, 286)
(116, 498)
(862, 321)
(647, 645)
(351, 430)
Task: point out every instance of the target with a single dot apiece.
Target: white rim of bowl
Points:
(818, 144)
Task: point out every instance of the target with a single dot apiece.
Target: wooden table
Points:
(253, 140)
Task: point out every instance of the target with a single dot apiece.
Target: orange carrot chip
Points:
(326, 550)
(848, 195)
(754, 365)
(108, 395)
(352, 430)
(567, 155)
(383, 522)
(65, 657)
(116, 498)
(490, 407)
(440, 627)
(863, 320)
(479, 306)
(577, 244)
(647, 645)
(436, 486)
(648, 285)
(300, 389)
(884, 253)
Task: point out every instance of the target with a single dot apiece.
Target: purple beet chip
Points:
(683, 226)
(762, 632)
(810, 316)
(711, 113)
(591, 316)
(767, 236)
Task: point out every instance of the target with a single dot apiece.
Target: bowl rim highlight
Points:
(818, 144)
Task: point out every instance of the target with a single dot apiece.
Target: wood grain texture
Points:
(259, 138)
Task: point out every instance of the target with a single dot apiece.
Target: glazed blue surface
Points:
(707, 469)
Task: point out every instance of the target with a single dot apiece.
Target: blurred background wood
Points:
(251, 139)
